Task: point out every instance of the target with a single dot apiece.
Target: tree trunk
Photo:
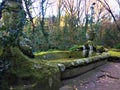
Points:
(42, 22)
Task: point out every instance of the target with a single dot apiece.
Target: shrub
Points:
(117, 46)
(75, 48)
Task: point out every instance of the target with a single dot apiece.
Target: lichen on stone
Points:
(62, 67)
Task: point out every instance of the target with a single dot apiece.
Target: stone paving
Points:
(106, 77)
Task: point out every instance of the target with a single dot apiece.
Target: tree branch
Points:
(107, 7)
(29, 14)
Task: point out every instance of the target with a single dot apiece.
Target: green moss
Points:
(28, 68)
(58, 55)
(1, 48)
(75, 47)
(67, 61)
(31, 71)
(62, 60)
(76, 54)
(89, 42)
(115, 50)
(49, 52)
(1, 51)
(51, 55)
(114, 53)
(20, 63)
(72, 62)
(41, 74)
(101, 49)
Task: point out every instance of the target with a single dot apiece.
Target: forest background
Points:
(62, 24)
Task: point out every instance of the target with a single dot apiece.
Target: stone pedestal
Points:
(89, 47)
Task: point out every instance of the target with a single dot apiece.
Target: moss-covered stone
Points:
(59, 55)
(101, 49)
(114, 53)
(30, 74)
(52, 55)
(36, 74)
(74, 62)
(76, 54)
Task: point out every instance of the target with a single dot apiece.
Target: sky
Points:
(0, 1)
(114, 6)
(53, 10)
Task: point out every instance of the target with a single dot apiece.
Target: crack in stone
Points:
(106, 75)
(112, 77)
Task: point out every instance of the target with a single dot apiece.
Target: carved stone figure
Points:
(13, 19)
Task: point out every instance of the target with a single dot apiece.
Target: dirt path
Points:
(106, 77)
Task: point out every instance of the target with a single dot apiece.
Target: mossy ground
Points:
(114, 53)
(50, 55)
(54, 55)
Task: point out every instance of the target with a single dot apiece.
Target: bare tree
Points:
(86, 14)
(59, 12)
(73, 9)
(79, 10)
(44, 4)
(107, 7)
(39, 8)
(29, 13)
